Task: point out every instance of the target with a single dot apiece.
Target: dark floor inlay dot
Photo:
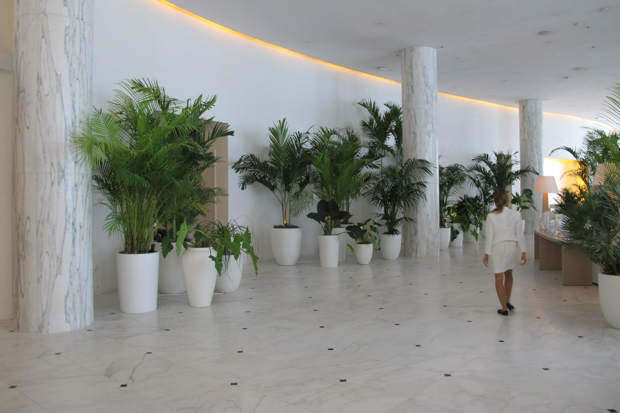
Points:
(247, 311)
(11, 331)
(123, 385)
(369, 295)
(240, 351)
(315, 310)
(418, 345)
(89, 330)
(612, 410)
(233, 384)
(112, 313)
(12, 387)
(580, 336)
(321, 326)
(396, 324)
(330, 348)
(537, 317)
(343, 380)
(448, 375)
(469, 321)
(149, 352)
(58, 354)
(545, 368)
(445, 305)
(380, 308)
(166, 329)
(501, 341)
(180, 312)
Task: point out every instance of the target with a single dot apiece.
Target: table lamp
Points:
(545, 185)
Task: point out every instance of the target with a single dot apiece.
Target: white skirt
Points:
(504, 256)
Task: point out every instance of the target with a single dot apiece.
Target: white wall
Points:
(256, 86)
(6, 164)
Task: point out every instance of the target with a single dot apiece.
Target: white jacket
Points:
(505, 226)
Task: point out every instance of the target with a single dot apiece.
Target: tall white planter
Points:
(329, 250)
(363, 253)
(609, 296)
(286, 245)
(200, 276)
(229, 280)
(390, 245)
(458, 241)
(342, 251)
(444, 238)
(470, 239)
(137, 281)
(170, 271)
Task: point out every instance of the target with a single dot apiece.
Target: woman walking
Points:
(504, 236)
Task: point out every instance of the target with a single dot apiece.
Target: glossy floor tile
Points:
(411, 335)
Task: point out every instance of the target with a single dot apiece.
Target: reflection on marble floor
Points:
(412, 335)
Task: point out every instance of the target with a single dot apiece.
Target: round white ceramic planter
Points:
(363, 253)
(170, 272)
(329, 249)
(137, 281)
(470, 239)
(390, 246)
(342, 251)
(286, 245)
(231, 276)
(444, 238)
(458, 241)
(608, 293)
(200, 276)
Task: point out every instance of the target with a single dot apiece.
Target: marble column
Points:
(53, 283)
(530, 133)
(419, 85)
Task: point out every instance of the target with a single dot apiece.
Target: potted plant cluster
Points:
(364, 235)
(523, 201)
(286, 174)
(451, 180)
(327, 215)
(137, 152)
(470, 212)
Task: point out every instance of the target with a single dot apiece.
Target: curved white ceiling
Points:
(486, 49)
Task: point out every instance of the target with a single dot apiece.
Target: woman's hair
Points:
(501, 200)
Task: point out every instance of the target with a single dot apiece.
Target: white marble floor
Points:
(403, 336)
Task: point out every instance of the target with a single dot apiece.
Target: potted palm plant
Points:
(328, 214)
(134, 164)
(208, 255)
(286, 175)
(394, 189)
(470, 212)
(365, 238)
(338, 171)
(523, 201)
(451, 180)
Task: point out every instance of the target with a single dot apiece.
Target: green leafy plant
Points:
(524, 201)
(451, 180)
(136, 151)
(363, 233)
(328, 215)
(225, 240)
(285, 173)
(396, 188)
(385, 129)
(491, 175)
(470, 212)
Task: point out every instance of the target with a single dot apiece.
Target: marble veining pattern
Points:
(419, 91)
(52, 211)
(530, 138)
(411, 335)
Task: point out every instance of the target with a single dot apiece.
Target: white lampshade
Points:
(545, 185)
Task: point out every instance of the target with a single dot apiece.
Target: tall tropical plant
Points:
(491, 175)
(396, 188)
(451, 180)
(134, 161)
(285, 173)
(385, 129)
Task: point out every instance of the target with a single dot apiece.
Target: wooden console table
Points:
(576, 268)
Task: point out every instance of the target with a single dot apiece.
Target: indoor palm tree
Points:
(451, 180)
(385, 129)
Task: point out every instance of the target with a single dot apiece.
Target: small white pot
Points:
(170, 272)
(231, 276)
(390, 246)
(609, 296)
(444, 238)
(470, 239)
(137, 281)
(200, 276)
(286, 245)
(342, 252)
(329, 249)
(458, 241)
(363, 253)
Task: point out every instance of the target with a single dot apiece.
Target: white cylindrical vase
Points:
(342, 252)
(329, 249)
(609, 293)
(170, 271)
(286, 245)
(200, 276)
(390, 246)
(137, 281)
(458, 241)
(229, 280)
(444, 238)
(363, 253)
(469, 238)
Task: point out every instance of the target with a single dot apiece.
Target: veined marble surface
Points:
(419, 84)
(530, 138)
(53, 247)
(395, 330)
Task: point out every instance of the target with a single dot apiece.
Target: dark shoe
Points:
(502, 312)
(510, 306)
